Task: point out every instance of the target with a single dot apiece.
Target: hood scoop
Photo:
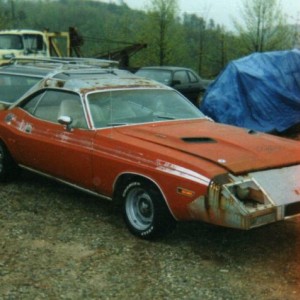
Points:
(251, 131)
(199, 140)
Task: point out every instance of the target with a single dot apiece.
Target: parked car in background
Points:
(186, 81)
(15, 82)
(116, 136)
(24, 75)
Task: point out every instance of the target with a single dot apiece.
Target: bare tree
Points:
(263, 27)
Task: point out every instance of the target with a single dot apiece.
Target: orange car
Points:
(143, 145)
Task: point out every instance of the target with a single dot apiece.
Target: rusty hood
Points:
(235, 149)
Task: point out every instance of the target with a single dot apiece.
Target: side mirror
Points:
(66, 121)
(8, 56)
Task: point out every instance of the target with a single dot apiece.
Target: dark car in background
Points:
(185, 80)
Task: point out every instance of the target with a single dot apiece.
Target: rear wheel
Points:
(145, 211)
(7, 165)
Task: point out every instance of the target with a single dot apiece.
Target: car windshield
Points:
(163, 76)
(124, 107)
(14, 86)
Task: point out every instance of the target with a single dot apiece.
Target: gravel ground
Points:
(58, 243)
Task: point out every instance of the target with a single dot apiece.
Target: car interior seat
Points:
(100, 116)
(73, 109)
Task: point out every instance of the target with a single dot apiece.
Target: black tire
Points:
(145, 211)
(8, 168)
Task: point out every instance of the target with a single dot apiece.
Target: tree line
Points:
(186, 40)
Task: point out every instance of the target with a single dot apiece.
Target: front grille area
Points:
(262, 220)
(292, 209)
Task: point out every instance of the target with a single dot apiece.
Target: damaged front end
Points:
(250, 201)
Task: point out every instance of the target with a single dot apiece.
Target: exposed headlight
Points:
(247, 192)
(242, 192)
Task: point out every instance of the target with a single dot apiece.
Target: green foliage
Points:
(5, 14)
(189, 40)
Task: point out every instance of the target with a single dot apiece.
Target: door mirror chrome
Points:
(66, 121)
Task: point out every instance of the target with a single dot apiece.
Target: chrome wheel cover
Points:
(139, 208)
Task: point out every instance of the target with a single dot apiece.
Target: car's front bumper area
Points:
(250, 201)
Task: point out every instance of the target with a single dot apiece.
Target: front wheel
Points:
(145, 211)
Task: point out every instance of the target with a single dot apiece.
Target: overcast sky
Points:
(222, 11)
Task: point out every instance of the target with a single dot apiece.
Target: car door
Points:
(182, 83)
(51, 148)
(196, 86)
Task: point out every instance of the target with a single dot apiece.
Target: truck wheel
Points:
(145, 211)
(7, 165)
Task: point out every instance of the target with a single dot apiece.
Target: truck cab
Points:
(20, 43)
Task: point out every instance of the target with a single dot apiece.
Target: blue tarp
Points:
(260, 92)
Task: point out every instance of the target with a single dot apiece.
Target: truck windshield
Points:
(29, 42)
(11, 41)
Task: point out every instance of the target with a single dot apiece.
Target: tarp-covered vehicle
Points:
(260, 92)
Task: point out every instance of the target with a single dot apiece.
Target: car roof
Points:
(20, 31)
(107, 80)
(169, 68)
(51, 67)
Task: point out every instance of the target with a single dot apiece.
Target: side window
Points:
(71, 106)
(31, 104)
(52, 104)
(193, 77)
(34, 42)
(48, 106)
(181, 76)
